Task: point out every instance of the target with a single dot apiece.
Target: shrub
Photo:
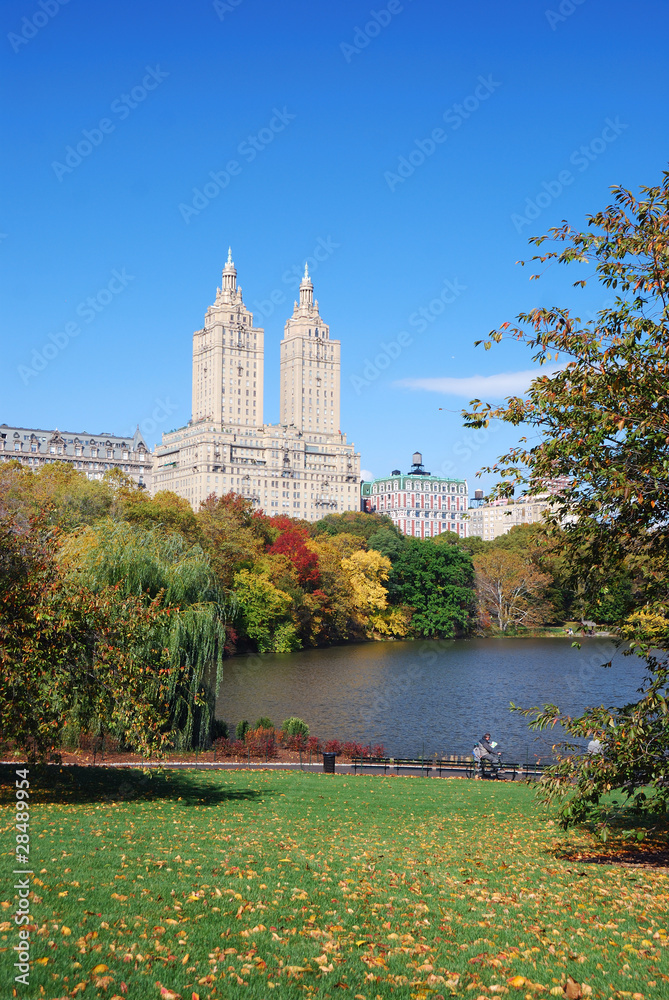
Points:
(261, 742)
(333, 746)
(241, 729)
(295, 727)
(314, 744)
(229, 748)
(264, 723)
(297, 742)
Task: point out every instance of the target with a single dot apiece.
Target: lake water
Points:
(428, 697)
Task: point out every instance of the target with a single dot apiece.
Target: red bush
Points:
(261, 743)
(230, 748)
(333, 746)
(314, 744)
(297, 742)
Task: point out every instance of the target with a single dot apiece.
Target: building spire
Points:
(306, 289)
(229, 279)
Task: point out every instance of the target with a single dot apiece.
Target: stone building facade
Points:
(302, 466)
(92, 454)
(494, 519)
(418, 503)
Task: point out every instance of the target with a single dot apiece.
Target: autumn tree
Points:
(367, 572)
(510, 591)
(57, 494)
(233, 536)
(601, 427)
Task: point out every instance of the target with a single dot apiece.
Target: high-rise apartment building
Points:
(228, 359)
(310, 368)
(302, 466)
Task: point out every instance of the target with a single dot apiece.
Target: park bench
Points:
(467, 766)
(454, 762)
(390, 763)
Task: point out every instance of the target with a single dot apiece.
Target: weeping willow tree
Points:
(166, 571)
(140, 561)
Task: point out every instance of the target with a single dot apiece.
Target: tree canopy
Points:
(601, 423)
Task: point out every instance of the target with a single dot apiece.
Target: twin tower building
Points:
(302, 466)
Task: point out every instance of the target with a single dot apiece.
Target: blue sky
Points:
(400, 147)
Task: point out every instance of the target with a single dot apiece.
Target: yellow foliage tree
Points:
(367, 572)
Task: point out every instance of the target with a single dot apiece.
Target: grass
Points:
(266, 885)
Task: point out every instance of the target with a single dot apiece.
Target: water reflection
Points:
(428, 696)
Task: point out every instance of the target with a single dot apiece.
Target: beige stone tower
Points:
(310, 368)
(228, 359)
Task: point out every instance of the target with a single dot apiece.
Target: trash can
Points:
(329, 763)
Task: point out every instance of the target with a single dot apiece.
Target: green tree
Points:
(265, 613)
(95, 659)
(163, 569)
(601, 423)
(388, 543)
(437, 583)
(353, 522)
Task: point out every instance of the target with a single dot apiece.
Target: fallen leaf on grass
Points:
(516, 981)
(99, 969)
(102, 982)
(167, 994)
(572, 990)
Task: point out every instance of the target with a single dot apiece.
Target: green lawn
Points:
(266, 885)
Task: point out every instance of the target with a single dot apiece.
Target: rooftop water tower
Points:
(417, 468)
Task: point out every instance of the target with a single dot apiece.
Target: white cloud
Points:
(479, 386)
(366, 475)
